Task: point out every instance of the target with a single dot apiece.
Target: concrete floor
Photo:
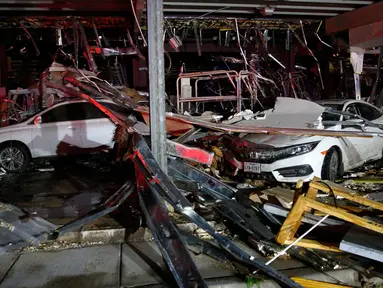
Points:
(129, 265)
(98, 255)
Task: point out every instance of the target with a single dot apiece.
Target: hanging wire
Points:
(138, 24)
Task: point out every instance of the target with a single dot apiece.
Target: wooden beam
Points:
(368, 36)
(359, 17)
(346, 193)
(341, 214)
(312, 244)
(292, 222)
(308, 202)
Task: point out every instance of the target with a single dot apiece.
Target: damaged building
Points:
(167, 143)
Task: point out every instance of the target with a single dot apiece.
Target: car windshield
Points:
(331, 117)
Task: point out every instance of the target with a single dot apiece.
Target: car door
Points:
(59, 132)
(374, 115)
(98, 130)
(356, 148)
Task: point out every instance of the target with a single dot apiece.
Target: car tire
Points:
(14, 157)
(331, 165)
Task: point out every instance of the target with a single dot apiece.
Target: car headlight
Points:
(271, 155)
(299, 149)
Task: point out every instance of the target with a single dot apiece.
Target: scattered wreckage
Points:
(295, 140)
(244, 209)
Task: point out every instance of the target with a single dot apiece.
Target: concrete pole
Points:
(155, 23)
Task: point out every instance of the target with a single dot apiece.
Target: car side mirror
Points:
(37, 120)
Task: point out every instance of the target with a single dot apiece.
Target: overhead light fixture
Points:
(267, 11)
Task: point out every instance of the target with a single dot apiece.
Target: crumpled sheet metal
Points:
(18, 229)
(159, 183)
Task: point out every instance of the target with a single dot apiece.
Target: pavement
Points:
(133, 264)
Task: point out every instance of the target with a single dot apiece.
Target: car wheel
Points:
(331, 165)
(14, 158)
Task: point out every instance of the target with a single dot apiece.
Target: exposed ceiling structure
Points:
(248, 12)
(293, 9)
(187, 8)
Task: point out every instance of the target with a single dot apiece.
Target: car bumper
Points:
(312, 163)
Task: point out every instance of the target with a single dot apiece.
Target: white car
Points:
(290, 158)
(65, 128)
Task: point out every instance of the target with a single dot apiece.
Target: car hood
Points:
(279, 141)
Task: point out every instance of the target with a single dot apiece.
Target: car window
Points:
(57, 114)
(92, 112)
(368, 112)
(72, 112)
